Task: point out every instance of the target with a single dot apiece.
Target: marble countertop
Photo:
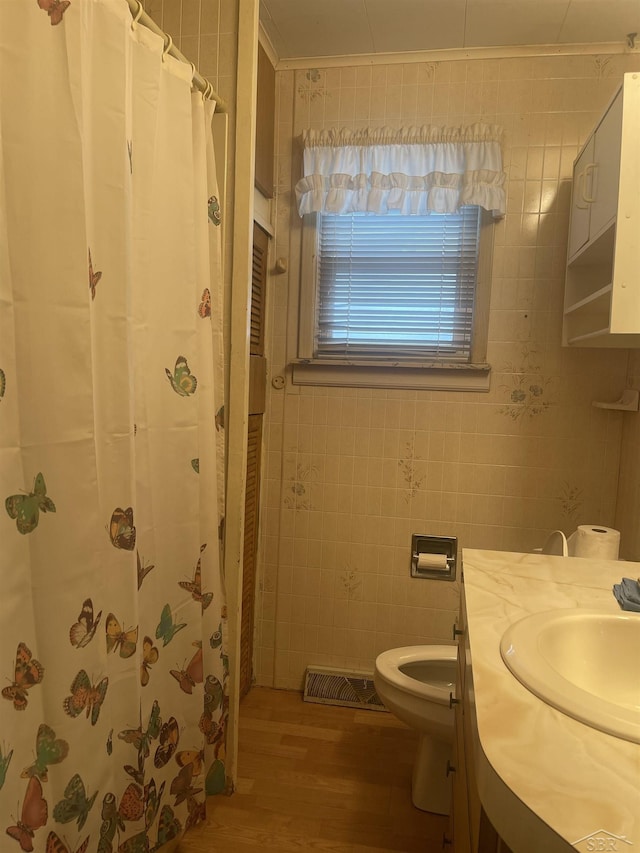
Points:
(547, 782)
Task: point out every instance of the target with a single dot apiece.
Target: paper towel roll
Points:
(594, 540)
(433, 561)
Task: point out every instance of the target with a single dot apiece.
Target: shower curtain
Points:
(112, 613)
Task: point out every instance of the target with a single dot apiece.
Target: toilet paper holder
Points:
(435, 547)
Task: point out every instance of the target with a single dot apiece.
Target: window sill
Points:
(427, 376)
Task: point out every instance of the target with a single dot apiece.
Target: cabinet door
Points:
(580, 207)
(606, 173)
(460, 798)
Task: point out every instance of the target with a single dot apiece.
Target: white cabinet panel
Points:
(606, 170)
(580, 207)
(602, 286)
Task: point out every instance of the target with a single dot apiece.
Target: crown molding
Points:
(267, 45)
(448, 55)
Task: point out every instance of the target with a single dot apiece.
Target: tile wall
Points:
(206, 32)
(350, 474)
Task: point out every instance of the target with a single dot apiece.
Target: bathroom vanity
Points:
(527, 777)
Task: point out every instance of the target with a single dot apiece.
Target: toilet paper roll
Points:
(594, 540)
(433, 561)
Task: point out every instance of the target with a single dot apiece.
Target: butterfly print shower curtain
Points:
(113, 660)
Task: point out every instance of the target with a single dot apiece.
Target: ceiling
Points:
(329, 28)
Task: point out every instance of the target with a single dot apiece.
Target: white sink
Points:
(585, 663)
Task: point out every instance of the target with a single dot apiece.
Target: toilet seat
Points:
(388, 667)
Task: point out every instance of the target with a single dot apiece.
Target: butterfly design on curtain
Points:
(56, 845)
(85, 695)
(192, 675)
(49, 750)
(133, 805)
(75, 805)
(121, 530)
(182, 380)
(216, 778)
(34, 815)
(150, 655)
(213, 210)
(167, 628)
(181, 786)
(213, 732)
(213, 699)
(143, 570)
(141, 740)
(169, 827)
(83, 631)
(213, 694)
(28, 672)
(197, 813)
(26, 508)
(195, 586)
(152, 798)
(94, 278)
(126, 641)
(114, 814)
(215, 640)
(168, 738)
(204, 309)
(55, 9)
(5, 760)
(137, 774)
(194, 757)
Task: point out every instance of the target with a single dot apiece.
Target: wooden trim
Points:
(250, 555)
(257, 384)
(260, 251)
(483, 289)
(463, 54)
(398, 376)
(242, 238)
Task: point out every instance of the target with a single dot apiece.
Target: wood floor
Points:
(319, 778)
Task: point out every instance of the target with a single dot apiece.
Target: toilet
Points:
(415, 684)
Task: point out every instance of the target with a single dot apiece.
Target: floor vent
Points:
(341, 687)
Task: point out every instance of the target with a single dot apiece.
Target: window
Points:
(395, 300)
(396, 255)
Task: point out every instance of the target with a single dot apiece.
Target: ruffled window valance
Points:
(413, 170)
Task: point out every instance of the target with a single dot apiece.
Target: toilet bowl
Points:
(415, 684)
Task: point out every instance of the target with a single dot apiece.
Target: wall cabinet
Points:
(602, 286)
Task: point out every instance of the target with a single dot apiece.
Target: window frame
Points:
(473, 375)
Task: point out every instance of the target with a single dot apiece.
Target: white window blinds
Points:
(397, 287)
